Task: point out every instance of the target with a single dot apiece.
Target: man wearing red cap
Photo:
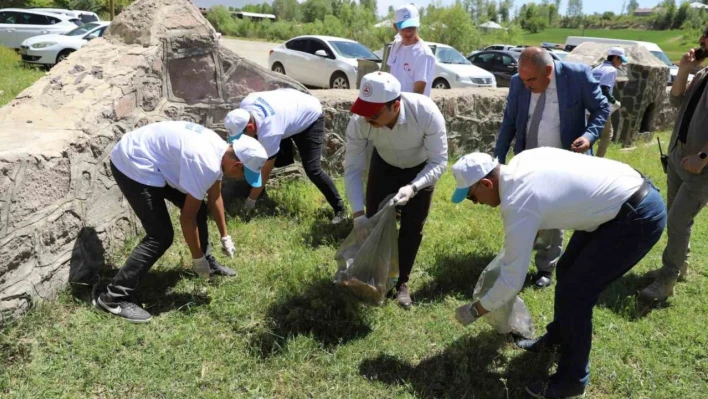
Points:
(409, 139)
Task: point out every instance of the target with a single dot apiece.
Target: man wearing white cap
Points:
(606, 74)
(184, 163)
(278, 118)
(411, 60)
(409, 139)
(617, 216)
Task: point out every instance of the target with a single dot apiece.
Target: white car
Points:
(320, 61)
(17, 25)
(453, 70)
(84, 16)
(52, 49)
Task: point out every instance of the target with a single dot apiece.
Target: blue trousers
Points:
(590, 263)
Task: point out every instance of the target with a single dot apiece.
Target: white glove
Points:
(464, 315)
(201, 267)
(227, 246)
(249, 205)
(614, 107)
(404, 195)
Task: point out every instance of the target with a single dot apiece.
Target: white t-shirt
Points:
(280, 114)
(410, 64)
(184, 155)
(606, 74)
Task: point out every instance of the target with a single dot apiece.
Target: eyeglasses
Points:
(470, 194)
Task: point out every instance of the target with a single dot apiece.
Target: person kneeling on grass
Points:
(617, 216)
(183, 163)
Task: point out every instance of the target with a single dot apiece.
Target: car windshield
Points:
(353, 50)
(81, 30)
(448, 55)
(660, 55)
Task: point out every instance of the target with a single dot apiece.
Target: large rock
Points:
(59, 206)
(641, 89)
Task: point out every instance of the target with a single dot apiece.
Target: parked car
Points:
(17, 25)
(320, 61)
(502, 64)
(501, 47)
(453, 70)
(84, 16)
(556, 55)
(52, 49)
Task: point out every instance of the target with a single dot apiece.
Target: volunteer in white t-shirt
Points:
(411, 60)
(409, 140)
(606, 74)
(278, 118)
(181, 162)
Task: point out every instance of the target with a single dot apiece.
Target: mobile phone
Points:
(700, 53)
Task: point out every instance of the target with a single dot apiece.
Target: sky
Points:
(589, 6)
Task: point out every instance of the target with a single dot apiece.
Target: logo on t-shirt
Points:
(407, 68)
(366, 90)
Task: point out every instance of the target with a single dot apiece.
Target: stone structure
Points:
(59, 206)
(641, 90)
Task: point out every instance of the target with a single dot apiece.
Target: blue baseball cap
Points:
(407, 16)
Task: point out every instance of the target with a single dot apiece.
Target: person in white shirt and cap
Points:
(617, 216)
(278, 118)
(411, 60)
(409, 140)
(181, 162)
(606, 74)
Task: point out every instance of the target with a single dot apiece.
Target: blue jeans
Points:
(590, 263)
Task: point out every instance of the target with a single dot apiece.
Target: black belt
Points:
(633, 202)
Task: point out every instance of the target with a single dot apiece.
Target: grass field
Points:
(669, 40)
(14, 76)
(281, 329)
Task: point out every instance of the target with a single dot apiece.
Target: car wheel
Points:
(440, 83)
(339, 81)
(278, 68)
(63, 55)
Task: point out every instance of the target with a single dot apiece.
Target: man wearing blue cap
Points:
(617, 216)
(411, 60)
(181, 162)
(606, 74)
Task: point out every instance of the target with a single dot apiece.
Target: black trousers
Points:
(384, 180)
(309, 144)
(149, 205)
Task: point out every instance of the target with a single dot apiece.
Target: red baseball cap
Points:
(377, 88)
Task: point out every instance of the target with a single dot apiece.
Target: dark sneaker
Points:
(542, 279)
(339, 217)
(125, 309)
(537, 345)
(217, 269)
(402, 296)
(554, 389)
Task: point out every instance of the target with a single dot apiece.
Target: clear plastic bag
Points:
(368, 258)
(513, 317)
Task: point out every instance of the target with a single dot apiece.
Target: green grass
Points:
(282, 329)
(14, 76)
(669, 40)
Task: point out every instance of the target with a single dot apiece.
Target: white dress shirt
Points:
(549, 127)
(549, 188)
(418, 136)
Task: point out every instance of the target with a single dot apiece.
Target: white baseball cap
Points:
(407, 16)
(252, 154)
(236, 121)
(618, 51)
(470, 169)
(377, 88)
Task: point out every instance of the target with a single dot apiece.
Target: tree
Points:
(575, 8)
(504, 11)
(315, 10)
(492, 13)
(681, 15)
(288, 10)
(370, 4)
(631, 6)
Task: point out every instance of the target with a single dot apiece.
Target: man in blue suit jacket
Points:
(568, 90)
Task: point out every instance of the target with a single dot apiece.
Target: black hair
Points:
(390, 103)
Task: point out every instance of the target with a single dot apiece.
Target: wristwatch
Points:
(474, 311)
(702, 155)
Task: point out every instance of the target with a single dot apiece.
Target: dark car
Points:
(502, 64)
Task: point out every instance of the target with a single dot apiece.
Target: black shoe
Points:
(217, 269)
(339, 217)
(542, 279)
(554, 389)
(537, 345)
(403, 298)
(125, 309)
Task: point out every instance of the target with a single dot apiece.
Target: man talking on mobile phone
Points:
(687, 175)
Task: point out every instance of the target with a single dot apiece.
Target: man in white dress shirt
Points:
(409, 139)
(616, 214)
(411, 60)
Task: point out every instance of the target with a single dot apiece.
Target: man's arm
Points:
(216, 207)
(680, 86)
(595, 102)
(424, 65)
(354, 166)
(435, 144)
(188, 221)
(419, 87)
(265, 175)
(508, 128)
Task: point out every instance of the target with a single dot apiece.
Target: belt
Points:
(633, 202)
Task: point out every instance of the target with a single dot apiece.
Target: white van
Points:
(572, 42)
